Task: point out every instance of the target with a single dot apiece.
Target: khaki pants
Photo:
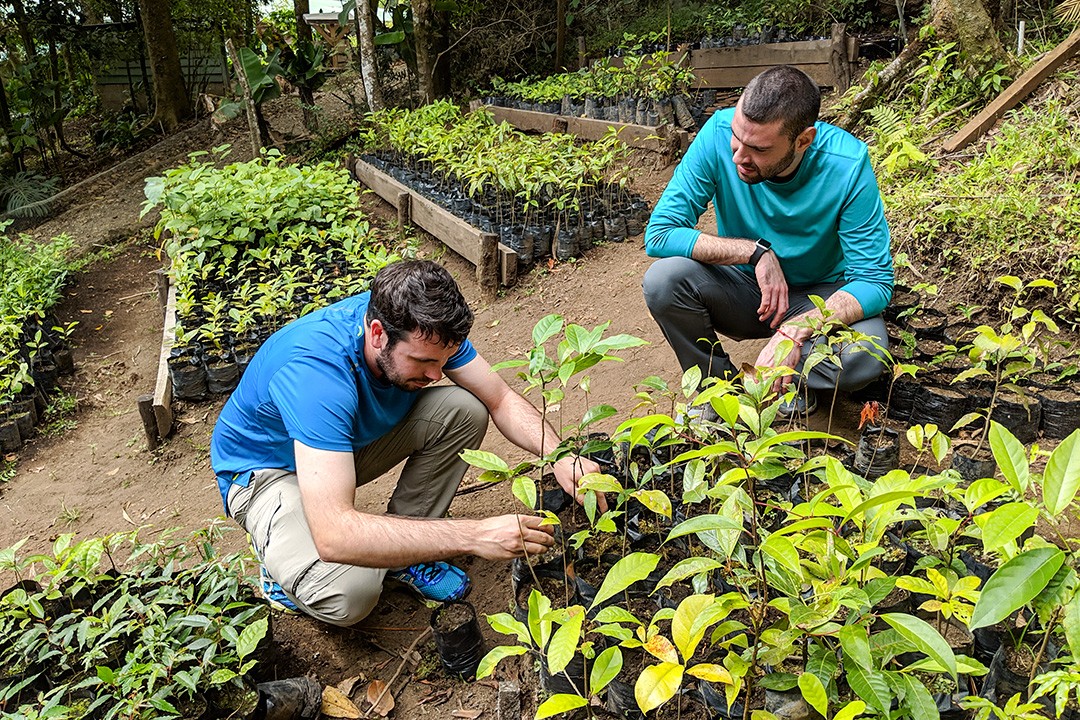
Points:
(444, 421)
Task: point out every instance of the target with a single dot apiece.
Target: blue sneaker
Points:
(274, 595)
(438, 581)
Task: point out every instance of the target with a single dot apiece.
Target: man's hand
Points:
(569, 470)
(774, 290)
(767, 357)
(506, 537)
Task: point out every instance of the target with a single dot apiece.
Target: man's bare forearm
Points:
(391, 541)
(723, 250)
(842, 306)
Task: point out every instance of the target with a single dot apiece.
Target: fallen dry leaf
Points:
(127, 517)
(113, 471)
(438, 697)
(335, 704)
(346, 686)
(467, 714)
(378, 695)
(86, 312)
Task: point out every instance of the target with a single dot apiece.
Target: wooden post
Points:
(161, 277)
(487, 265)
(838, 58)
(1012, 95)
(149, 420)
(580, 52)
(249, 101)
(509, 701)
(404, 213)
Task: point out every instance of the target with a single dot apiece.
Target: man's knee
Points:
(340, 595)
(862, 365)
(466, 410)
(664, 281)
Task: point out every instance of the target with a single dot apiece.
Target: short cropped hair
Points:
(419, 295)
(782, 93)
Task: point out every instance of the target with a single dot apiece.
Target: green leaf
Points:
(524, 489)
(655, 500)
(1005, 524)
(250, 637)
(686, 630)
(918, 701)
(814, 694)
(507, 624)
(489, 661)
(485, 460)
(688, 568)
(856, 645)
(852, 710)
(106, 675)
(783, 551)
(1071, 622)
(882, 499)
(564, 643)
(703, 523)
(1010, 457)
(558, 704)
(1061, 479)
(605, 668)
(597, 413)
(1015, 584)
(221, 675)
(657, 684)
(546, 328)
(624, 573)
(390, 38)
(869, 684)
(924, 637)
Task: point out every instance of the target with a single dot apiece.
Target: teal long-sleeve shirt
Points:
(826, 223)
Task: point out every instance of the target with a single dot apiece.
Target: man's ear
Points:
(376, 334)
(805, 138)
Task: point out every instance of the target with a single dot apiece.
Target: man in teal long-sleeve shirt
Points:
(798, 213)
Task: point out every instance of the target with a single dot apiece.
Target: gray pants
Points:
(693, 301)
(444, 421)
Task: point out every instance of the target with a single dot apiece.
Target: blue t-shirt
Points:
(309, 382)
(826, 223)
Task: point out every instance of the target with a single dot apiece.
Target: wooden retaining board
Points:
(494, 261)
(657, 139)
(163, 387)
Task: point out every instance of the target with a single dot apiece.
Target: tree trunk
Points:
(5, 126)
(171, 104)
(423, 36)
(968, 23)
(24, 29)
(365, 41)
(307, 104)
(441, 70)
(560, 34)
(303, 30)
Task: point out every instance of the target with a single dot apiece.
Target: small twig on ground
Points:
(404, 659)
(129, 297)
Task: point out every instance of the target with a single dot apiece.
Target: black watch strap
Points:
(762, 246)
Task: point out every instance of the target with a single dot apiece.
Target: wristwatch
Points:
(761, 247)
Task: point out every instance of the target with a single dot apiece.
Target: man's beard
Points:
(385, 362)
(771, 171)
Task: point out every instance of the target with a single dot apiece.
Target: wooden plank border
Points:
(494, 261)
(162, 403)
(661, 138)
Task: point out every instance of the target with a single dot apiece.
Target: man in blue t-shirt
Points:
(339, 397)
(798, 213)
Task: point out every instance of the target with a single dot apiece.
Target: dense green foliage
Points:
(517, 171)
(1015, 199)
(172, 632)
(741, 554)
(256, 244)
(34, 277)
(649, 76)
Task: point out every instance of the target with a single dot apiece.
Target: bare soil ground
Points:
(98, 477)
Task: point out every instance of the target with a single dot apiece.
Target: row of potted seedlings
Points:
(645, 90)
(252, 246)
(960, 375)
(739, 566)
(544, 196)
(34, 349)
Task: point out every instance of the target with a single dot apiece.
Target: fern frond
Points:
(20, 193)
(889, 125)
